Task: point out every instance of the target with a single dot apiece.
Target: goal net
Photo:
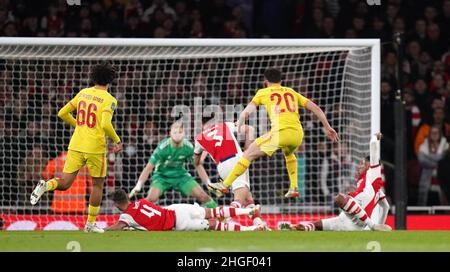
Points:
(161, 81)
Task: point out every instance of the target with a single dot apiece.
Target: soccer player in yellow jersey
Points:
(94, 110)
(286, 131)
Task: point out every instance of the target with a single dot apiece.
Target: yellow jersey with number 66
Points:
(89, 135)
(281, 104)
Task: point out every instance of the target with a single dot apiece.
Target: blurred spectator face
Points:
(392, 11)
(195, 15)
(318, 4)
(168, 25)
(3, 16)
(10, 30)
(425, 57)
(133, 22)
(446, 8)
(358, 23)
(361, 9)
(420, 86)
(409, 98)
(438, 67)
(86, 25)
(378, 24)
(438, 81)
(391, 59)
(438, 115)
(399, 25)
(435, 134)
(159, 16)
(96, 7)
(437, 104)
(180, 7)
(430, 13)
(317, 15)
(350, 33)
(385, 88)
(433, 32)
(237, 12)
(414, 48)
(52, 10)
(159, 33)
(421, 27)
(328, 25)
(84, 12)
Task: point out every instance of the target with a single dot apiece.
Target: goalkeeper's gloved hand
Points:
(216, 192)
(292, 193)
(135, 190)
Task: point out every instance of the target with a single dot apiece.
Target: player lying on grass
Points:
(94, 110)
(145, 215)
(286, 131)
(357, 206)
(218, 140)
(168, 161)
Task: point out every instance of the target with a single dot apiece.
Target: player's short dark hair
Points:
(272, 75)
(103, 73)
(367, 158)
(119, 196)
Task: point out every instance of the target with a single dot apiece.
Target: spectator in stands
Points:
(29, 170)
(435, 44)
(443, 174)
(431, 151)
(424, 130)
(413, 120)
(387, 126)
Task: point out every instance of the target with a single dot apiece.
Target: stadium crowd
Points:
(425, 70)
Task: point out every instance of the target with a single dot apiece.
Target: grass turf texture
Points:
(226, 241)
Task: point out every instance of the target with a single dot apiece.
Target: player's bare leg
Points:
(351, 207)
(61, 184)
(203, 197)
(153, 194)
(251, 153)
(95, 200)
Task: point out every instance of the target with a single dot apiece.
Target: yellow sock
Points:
(52, 184)
(291, 165)
(92, 213)
(239, 169)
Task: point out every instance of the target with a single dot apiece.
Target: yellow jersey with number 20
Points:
(281, 104)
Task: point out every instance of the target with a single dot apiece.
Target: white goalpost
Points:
(156, 78)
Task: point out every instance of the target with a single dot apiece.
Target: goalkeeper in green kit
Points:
(168, 161)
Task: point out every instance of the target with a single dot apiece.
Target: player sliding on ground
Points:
(145, 215)
(286, 131)
(218, 140)
(168, 161)
(357, 206)
(95, 108)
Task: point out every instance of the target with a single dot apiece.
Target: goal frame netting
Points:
(138, 48)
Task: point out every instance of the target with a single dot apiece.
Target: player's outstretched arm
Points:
(249, 133)
(332, 134)
(107, 126)
(374, 147)
(117, 226)
(145, 174)
(251, 107)
(64, 114)
(384, 205)
(198, 163)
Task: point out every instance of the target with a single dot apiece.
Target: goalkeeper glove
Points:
(136, 189)
(217, 193)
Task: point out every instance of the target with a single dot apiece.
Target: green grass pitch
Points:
(226, 241)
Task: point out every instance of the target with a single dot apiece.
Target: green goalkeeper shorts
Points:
(184, 184)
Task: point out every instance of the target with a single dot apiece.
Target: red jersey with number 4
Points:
(219, 141)
(145, 215)
(368, 190)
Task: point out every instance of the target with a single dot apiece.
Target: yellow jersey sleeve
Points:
(302, 100)
(257, 98)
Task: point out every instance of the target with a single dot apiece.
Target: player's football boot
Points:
(381, 227)
(91, 227)
(292, 193)
(40, 189)
(218, 186)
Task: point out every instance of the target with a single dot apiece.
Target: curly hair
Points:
(103, 74)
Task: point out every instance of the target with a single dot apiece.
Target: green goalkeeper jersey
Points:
(169, 161)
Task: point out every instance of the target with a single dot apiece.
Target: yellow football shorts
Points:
(96, 163)
(288, 140)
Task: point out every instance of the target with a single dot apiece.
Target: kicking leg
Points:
(61, 184)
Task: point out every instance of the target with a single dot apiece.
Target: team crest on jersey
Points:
(113, 106)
